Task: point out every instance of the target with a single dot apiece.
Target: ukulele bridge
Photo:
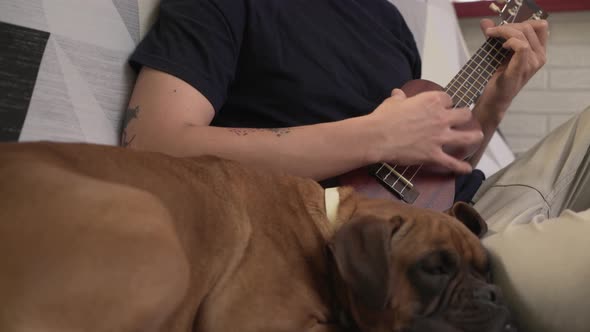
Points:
(395, 182)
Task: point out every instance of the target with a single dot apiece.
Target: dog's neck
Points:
(342, 311)
(340, 203)
(332, 202)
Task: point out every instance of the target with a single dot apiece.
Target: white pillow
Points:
(544, 271)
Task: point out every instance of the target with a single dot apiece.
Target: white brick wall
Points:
(559, 90)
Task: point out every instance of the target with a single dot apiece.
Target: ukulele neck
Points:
(469, 83)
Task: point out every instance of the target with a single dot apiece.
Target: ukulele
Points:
(424, 186)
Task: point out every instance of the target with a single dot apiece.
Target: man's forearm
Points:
(301, 151)
(489, 115)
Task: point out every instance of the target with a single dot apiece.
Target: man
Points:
(305, 87)
(322, 72)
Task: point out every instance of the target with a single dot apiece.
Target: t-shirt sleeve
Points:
(410, 42)
(197, 41)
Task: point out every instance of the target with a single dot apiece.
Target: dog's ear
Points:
(361, 250)
(469, 217)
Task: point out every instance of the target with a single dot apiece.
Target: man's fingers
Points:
(459, 116)
(434, 98)
(533, 39)
(485, 24)
(506, 32)
(533, 32)
(519, 47)
(452, 163)
(541, 28)
(398, 94)
(463, 138)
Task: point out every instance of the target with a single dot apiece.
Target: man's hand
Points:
(528, 41)
(414, 130)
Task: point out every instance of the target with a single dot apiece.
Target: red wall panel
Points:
(480, 8)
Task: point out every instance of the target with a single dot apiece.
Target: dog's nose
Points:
(487, 293)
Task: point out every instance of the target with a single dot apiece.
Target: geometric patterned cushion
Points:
(63, 70)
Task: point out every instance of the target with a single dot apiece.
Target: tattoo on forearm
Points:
(279, 131)
(245, 131)
(130, 115)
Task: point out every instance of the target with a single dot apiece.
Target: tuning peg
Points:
(495, 8)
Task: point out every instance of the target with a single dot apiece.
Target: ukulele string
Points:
(498, 52)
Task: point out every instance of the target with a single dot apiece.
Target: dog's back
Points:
(181, 237)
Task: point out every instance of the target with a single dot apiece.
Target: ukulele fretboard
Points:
(469, 83)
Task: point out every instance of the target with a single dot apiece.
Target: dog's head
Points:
(408, 269)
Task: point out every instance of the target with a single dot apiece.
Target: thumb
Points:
(485, 24)
(398, 94)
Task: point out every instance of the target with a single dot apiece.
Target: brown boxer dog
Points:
(96, 238)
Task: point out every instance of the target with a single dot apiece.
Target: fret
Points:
(456, 84)
(498, 51)
(462, 97)
(483, 58)
(485, 69)
(453, 90)
(476, 79)
(494, 52)
(469, 94)
(470, 90)
(487, 62)
(469, 83)
(463, 77)
(459, 100)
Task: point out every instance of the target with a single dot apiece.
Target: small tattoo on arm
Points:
(130, 115)
(239, 132)
(124, 141)
(245, 131)
(279, 131)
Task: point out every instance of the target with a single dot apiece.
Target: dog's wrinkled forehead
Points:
(424, 231)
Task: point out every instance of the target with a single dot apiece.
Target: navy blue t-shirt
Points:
(281, 63)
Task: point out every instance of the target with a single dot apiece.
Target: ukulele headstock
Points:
(515, 11)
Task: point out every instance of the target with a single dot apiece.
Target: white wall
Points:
(559, 90)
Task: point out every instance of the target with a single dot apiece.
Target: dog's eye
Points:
(435, 270)
(441, 263)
